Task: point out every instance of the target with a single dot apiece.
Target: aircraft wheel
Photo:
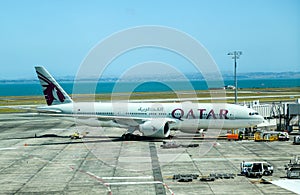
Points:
(137, 137)
(267, 173)
(247, 174)
(129, 137)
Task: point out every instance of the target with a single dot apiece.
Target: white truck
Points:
(256, 169)
(283, 136)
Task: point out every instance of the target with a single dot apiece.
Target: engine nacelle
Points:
(155, 128)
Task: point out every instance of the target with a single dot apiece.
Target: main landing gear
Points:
(130, 137)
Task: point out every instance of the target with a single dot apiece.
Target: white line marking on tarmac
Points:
(134, 183)
(129, 178)
(61, 129)
(8, 148)
(289, 184)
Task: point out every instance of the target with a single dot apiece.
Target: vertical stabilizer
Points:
(54, 93)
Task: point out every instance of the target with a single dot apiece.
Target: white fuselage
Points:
(187, 116)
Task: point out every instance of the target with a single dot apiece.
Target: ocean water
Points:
(34, 88)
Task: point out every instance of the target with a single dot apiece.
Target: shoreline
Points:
(34, 89)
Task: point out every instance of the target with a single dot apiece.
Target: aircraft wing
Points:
(132, 121)
(32, 108)
(123, 120)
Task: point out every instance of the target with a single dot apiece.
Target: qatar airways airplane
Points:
(151, 119)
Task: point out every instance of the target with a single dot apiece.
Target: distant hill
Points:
(265, 75)
(170, 77)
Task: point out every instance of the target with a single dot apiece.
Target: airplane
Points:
(154, 120)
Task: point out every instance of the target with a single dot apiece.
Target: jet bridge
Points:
(293, 116)
(280, 115)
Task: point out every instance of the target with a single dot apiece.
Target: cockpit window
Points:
(253, 113)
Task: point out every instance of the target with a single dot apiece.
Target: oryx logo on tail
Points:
(51, 92)
(54, 94)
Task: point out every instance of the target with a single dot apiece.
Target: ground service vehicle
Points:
(293, 173)
(256, 169)
(283, 136)
(271, 136)
(266, 136)
(296, 140)
(293, 169)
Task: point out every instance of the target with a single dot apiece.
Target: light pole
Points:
(235, 55)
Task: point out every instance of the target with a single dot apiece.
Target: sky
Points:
(59, 34)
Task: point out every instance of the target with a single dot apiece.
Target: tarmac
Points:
(38, 156)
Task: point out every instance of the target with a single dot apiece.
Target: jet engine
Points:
(155, 128)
